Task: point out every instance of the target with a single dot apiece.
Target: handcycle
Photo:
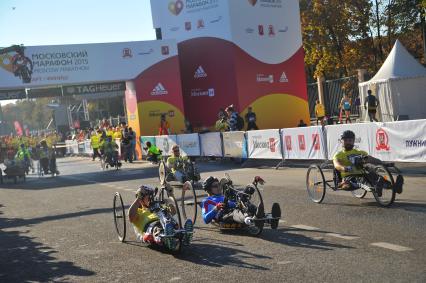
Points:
(15, 172)
(162, 202)
(188, 197)
(247, 201)
(110, 161)
(317, 183)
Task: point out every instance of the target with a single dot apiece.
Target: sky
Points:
(56, 22)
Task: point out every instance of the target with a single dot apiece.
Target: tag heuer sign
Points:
(94, 88)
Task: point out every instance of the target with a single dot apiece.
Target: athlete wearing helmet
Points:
(213, 206)
(149, 225)
(347, 163)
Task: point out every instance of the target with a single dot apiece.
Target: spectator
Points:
(188, 127)
(222, 123)
(251, 120)
(164, 126)
(232, 118)
(373, 103)
(153, 152)
(302, 124)
(345, 107)
(132, 139)
(319, 112)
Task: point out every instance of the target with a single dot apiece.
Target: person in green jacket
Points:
(153, 152)
(24, 156)
(95, 142)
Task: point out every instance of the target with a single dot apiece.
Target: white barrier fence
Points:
(403, 141)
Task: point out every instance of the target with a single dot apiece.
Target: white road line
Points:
(340, 236)
(284, 262)
(305, 227)
(175, 279)
(393, 247)
(282, 221)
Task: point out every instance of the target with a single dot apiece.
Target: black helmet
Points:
(209, 182)
(145, 191)
(348, 135)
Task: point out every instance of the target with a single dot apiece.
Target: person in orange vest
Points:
(164, 126)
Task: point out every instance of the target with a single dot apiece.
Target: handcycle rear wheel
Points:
(162, 172)
(119, 217)
(257, 200)
(388, 194)
(315, 184)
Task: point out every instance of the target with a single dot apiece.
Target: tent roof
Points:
(399, 64)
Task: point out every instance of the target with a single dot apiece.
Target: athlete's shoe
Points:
(189, 229)
(148, 238)
(398, 184)
(260, 213)
(169, 240)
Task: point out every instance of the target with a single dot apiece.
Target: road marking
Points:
(175, 279)
(393, 247)
(282, 221)
(284, 262)
(340, 236)
(305, 227)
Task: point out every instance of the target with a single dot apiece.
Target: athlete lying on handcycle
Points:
(356, 167)
(226, 205)
(153, 221)
(181, 167)
(110, 150)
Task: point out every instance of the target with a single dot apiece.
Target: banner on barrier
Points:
(264, 144)
(87, 147)
(165, 143)
(211, 144)
(234, 144)
(399, 141)
(189, 144)
(363, 136)
(143, 141)
(303, 143)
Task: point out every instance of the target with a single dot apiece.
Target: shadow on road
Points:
(218, 256)
(23, 259)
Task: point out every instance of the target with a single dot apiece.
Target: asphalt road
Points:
(61, 229)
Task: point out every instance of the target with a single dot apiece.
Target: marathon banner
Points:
(364, 134)
(189, 144)
(12, 94)
(165, 143)
(234, 144)
(399, 141)
(304, 143)
(143, 141)
(211, 144)
(264, 144)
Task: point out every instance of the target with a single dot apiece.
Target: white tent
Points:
(399, 85)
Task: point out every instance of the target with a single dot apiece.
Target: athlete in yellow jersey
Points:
(175, 163)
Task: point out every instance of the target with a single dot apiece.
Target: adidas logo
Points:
(159, 90)
(200, 73)
(283, 78)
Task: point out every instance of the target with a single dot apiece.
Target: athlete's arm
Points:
(338, 166)
(133, 216)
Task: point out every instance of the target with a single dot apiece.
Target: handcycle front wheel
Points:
(388, 193)
(174, 212)
(315, 184)
(360, 193)
(119, 217)
(188, 203)
(162, 172)
(256, 199)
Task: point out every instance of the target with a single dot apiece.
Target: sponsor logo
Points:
(288, 143)
(200, 24)
(382, 140)
(199, 92)
(94, 88)
(249, 30)
(283, 30)
(415, 143)
(171, 113)
(267, 3)
(302, 143)
(200, 73)
(316, 141)
(271, 31)
(159, 90)
(175, 7)
(270, 144)
(283, 78)
(158, 113)
(261, 30)
(261, 78)
(218, 19)
(127, 53)
(166, 145)
(188, 26)
(150, 51)
(165, 50)
(174, 29)
(252, 2)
